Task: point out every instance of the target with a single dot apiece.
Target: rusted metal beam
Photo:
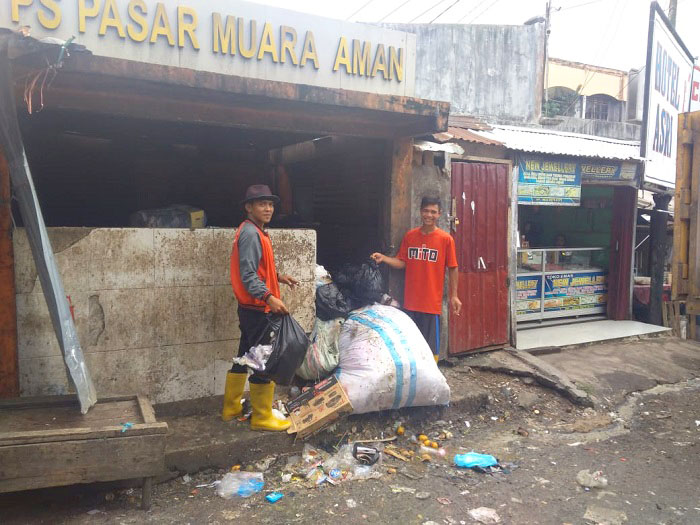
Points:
(88, 75)
(9, 369)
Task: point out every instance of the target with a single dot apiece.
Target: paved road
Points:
(647, 449)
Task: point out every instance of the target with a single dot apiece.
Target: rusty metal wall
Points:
(480, 192)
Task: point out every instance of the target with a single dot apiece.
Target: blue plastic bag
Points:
(240, 484)
(473, 459)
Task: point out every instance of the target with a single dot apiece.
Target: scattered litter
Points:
(94, 511)
(485, 515)
(523, 432)
(109, 496)
(241, 484)
(473, 459)
(595, 480)
(186, 478)
(274, 497)
(235, 468)
(266, 463)
(603, 516)
(395, 454)
(422, 495)
(697, 422)
(516, 500)
(467, 424)
(127, 426)
(444, 501)
(365, 455)
(286, 478)
(494, 418)
(209, 485)
(402, 490)
(465, 492)
(575, 444)
(541, 481)
(351, 503)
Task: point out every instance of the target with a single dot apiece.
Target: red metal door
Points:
(480, 195)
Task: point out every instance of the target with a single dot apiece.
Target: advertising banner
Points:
(549, 181)
(528, 290)
(575, 291)
(667, 92)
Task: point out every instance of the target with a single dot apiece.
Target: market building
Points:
(154, 105)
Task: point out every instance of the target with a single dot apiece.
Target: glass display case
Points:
(561, 282)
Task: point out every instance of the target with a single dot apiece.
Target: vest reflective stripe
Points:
(266, 271)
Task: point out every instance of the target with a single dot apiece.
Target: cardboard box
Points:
(318, 407)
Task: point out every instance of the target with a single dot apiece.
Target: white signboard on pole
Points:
(669, 73)
(231, 38)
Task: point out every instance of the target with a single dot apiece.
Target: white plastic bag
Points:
(385, 363)
(240, 484)
(322, 356)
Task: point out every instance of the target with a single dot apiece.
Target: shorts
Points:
(429, 326)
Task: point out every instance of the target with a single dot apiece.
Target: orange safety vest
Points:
(266, 271)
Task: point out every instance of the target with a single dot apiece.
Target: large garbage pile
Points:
(374, 349)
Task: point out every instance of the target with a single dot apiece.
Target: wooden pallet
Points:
(47, 442)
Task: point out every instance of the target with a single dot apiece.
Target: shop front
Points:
(574, 247)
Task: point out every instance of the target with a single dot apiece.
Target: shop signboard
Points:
(549, 181)
(575, 291)
(608, 172)
(230, 38)
(528, 289)
(695, 90)
(667, 92)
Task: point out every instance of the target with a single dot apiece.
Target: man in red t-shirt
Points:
(425, 253)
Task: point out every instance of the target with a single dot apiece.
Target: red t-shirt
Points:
(426, 257)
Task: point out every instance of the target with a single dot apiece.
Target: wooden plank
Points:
(694, 231)
(52, 401)
(46, 418)
(68, 434)
(9, 361)
(40, 465)
(147, 412)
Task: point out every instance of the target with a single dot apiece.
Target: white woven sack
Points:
(385, 363)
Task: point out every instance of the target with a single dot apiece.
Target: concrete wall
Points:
(599, 128)
(154, 308)
(494, 72)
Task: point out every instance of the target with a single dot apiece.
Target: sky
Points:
(608, 33)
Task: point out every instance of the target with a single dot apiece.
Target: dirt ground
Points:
(647, 448)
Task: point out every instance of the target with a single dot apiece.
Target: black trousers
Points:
(429, 326)
(254, 331)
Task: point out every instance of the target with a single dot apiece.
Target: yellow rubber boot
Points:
(235, 383)
(437, 357)
(261, 397)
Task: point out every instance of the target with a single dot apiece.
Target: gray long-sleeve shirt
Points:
(249, 254)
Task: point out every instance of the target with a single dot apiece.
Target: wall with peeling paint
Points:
(489, 71)
(154, 308)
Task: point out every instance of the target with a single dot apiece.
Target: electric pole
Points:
(672, 10)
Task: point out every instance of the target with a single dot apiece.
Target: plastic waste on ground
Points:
(317, 467)
(330, 302)
(289, 347)
(255, 358)
(485, 515)
(473, 459)
(274, 497)
(322, 356)
(384, 362)
(594, 480)
(240, 484)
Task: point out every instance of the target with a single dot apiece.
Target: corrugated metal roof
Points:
(470, 136)
(560, 143)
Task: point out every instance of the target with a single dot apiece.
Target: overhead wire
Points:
(393, 11)
(426, 11)
(445, 11)
(360, 9)
(474, 19)
(579, 5)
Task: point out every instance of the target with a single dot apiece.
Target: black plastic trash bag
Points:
(288, 349)
(361, 284)
(330, 303)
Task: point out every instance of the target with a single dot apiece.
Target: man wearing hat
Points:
(256, 286)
